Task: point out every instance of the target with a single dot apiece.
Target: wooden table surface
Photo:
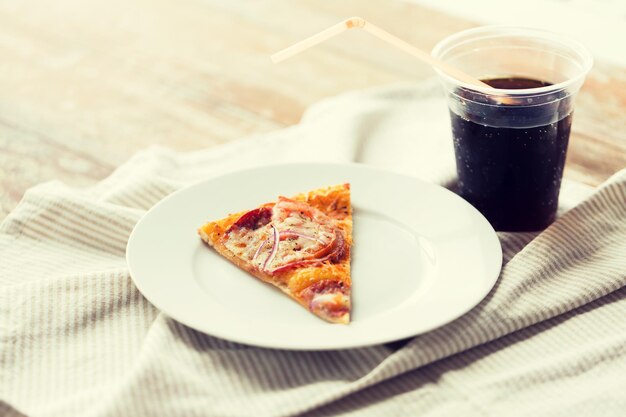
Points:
(85, 84)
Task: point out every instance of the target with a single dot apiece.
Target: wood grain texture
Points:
(83, 85)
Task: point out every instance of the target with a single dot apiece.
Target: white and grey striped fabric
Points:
(78, 339)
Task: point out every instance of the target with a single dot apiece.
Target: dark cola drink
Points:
(510, 152)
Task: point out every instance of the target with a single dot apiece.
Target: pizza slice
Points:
(300, 245)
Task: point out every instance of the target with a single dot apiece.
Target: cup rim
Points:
(498, 31)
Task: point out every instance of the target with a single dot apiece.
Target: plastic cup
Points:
(511, 142)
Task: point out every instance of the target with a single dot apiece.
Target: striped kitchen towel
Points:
(78, 339)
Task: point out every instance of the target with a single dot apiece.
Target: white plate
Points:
(421, 257)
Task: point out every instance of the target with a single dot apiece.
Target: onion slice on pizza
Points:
(300, 245)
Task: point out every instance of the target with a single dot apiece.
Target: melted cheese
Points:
(330, 299)
(303, 232)
(245, 242)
